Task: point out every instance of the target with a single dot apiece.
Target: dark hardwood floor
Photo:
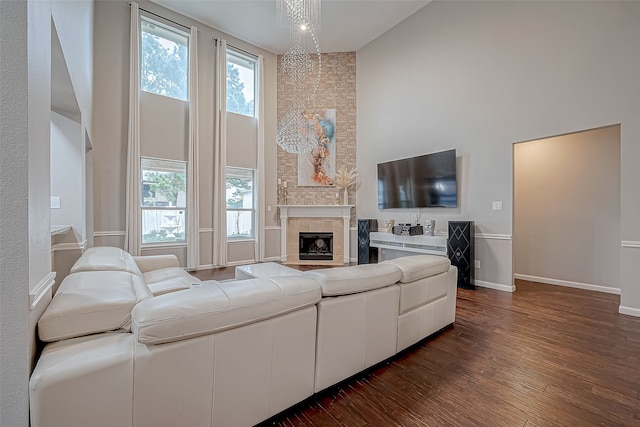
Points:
(542, 356)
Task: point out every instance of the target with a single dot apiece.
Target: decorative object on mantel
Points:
(388, 225)
(345, 178)
(282, 192)
(295, 133)
(429, 227)
(318, 168)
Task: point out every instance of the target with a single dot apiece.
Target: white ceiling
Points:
(346, 26)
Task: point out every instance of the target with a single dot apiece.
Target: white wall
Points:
(67, 172)
(479, 76)
(567, 210)
(14, 222)
(74, 22)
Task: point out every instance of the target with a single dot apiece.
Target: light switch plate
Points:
(55, 202)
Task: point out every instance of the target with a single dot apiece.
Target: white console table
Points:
(433, 245)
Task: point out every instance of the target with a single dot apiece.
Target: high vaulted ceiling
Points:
(345, 25)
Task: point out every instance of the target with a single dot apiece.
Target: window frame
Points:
(229, 173)
(144, 208)
(162, 31)
(242, 58)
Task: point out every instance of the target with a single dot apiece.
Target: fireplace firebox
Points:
(316, 246)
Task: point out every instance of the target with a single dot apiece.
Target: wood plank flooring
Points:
(542, 356)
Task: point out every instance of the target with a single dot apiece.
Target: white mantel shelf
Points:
(313, 211)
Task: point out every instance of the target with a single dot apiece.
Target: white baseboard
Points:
(206, 267)
(629, 311)
(567, 283)
(497, 286)
(79, 246)
(272, 259)
(245, 262)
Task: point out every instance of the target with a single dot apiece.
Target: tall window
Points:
(164, 200)
(164, 65)
(240, 203)
(241, 85)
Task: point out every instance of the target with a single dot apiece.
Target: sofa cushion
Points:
(416, 267)
(89, 302)
(168, 280)
(214, 307)
(106, 258)
(354, 279)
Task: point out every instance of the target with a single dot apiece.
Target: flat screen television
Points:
(427, 181)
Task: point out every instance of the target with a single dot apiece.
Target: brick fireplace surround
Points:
(309, 218)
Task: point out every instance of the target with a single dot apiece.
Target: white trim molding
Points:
(153, 246)
(630, 244)
(497, 286)
(629, 311)
(568, 284)
(206, 230)
(272, 259)
(314, 211)
(493, 236)
(244, 262)
(41, 289)
(80, 246)
(272, 227)
(108, 233)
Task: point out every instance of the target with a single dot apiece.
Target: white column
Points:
(346, 217)
(283, 233)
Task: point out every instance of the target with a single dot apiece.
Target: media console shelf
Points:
(433, 245)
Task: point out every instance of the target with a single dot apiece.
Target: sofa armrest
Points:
(156, 262)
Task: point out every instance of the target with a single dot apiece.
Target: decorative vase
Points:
(345, 199)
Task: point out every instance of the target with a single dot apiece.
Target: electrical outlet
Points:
(477, 263)
(497, 206)
(269, 208)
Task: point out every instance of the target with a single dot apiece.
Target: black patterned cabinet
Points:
(366, 254)
(461, 252)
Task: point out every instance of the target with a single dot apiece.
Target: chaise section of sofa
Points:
(428, 288)
(161, 273)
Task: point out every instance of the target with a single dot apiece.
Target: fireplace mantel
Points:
(313, 211)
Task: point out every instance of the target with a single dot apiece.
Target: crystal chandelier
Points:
(302, 64)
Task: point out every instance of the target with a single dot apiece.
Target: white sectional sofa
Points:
(140, 342)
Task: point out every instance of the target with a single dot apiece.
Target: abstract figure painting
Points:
(318, 168)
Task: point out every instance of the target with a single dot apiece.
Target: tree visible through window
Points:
(240, 201)
(164, 65)
(240, 84)
(164, 200)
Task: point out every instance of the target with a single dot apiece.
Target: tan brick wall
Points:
(337, 90)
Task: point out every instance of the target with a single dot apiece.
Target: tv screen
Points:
(427, 181)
